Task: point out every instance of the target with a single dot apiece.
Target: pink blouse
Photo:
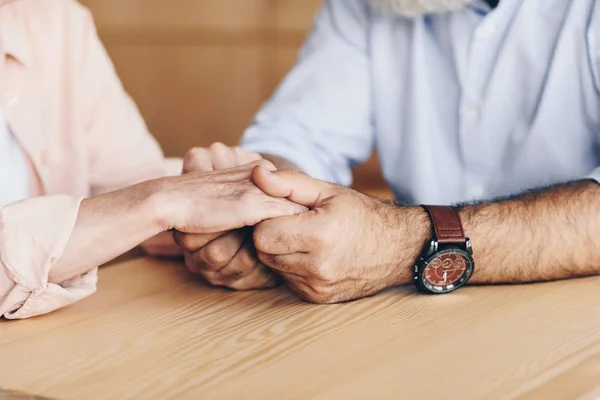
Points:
(81, 133)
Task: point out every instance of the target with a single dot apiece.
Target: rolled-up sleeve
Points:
(320, 118)
(596, 175)
(33, 237)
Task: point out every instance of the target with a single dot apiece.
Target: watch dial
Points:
(446, 271)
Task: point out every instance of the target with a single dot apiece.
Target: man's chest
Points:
(513, 94)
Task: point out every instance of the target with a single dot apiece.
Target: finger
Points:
(223, 157)
(260, 278)
(248, 208)
(197, 159)
(244, 157)
(191, 264)
(162, 245)
(243, 263)
(289, 264)
(192, 242)
(245, 271)
(286, 235)
(218, 254)
(297, 187)
(238, 173)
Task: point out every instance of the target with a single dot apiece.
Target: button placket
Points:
(484, 42)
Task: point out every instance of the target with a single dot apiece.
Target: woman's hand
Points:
(216, 201)
(201, 202)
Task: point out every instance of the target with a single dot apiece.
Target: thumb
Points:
(295, 186)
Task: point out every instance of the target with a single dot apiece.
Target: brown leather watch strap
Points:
(446, 224)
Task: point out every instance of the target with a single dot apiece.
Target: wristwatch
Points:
(446, 263)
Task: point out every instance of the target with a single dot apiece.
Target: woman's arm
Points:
(50, 246)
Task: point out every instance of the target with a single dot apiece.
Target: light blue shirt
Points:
(460, 106)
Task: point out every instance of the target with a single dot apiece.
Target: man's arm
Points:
(351, 245)
(320, 118)
(543, 235)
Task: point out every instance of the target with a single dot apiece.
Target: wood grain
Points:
(153, 331)
(12, 395)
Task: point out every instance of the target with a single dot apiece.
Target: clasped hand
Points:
(343, 246)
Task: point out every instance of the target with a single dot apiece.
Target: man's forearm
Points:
(545, 235)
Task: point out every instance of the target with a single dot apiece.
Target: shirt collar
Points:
(13, 39)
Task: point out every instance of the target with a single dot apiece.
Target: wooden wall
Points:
(200, 69)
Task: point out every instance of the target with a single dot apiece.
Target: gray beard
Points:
(412, 8)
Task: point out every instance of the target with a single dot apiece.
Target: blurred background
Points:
(200, 69)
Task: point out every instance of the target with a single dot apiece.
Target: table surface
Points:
(155, 332)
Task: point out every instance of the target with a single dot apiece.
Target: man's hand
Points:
(223, 258)
(347, 246)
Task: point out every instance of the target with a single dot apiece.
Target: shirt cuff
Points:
(33, 236)
(595, 175)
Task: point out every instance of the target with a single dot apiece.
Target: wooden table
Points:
(153, 332)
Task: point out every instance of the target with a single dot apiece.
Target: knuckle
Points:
(264, 164)
(212, 279)
(261, 239)
(321, 295)
(247, 204)
(324, 237)
(245, 284)
(258, 283)
(309, 295)
(320, 290)
(326, 273)
(291, 173)
(246, 198)
(232, 275)
(216, 254)
(239, 286)
(185, 241)
(194, 157)
(247, 258)
(219, 148)
(193, 265)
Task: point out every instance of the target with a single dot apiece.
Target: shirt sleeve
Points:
(320, 118)
(33, 237)
(121, 150)
(596, 175)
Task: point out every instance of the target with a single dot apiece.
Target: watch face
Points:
(446, 271)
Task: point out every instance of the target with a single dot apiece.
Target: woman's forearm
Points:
(112, 224)
(108, 226)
